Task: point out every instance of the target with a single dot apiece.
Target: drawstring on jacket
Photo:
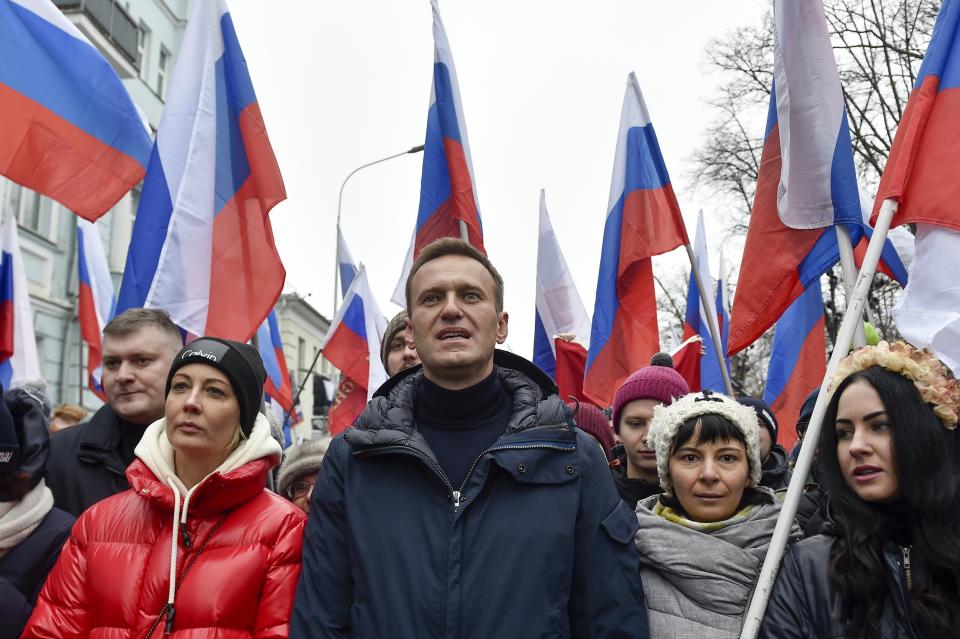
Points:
(174, 543)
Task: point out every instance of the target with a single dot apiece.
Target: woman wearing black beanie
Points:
(196, 545)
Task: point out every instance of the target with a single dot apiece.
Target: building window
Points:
(301, 354)
(143, 50)
(162, 69)
(34, 212)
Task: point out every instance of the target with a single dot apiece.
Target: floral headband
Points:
(936, 384)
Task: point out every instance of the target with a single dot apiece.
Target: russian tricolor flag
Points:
(705, 372)
(643, 220)
(69, 129)
(797, 361)
(806, 183)
(353, 345)
(95, 306)
(202, 246)
(921, 176)
(448, 192)
(277, 386)
(18, 344)
(558, 307)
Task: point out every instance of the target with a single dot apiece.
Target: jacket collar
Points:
(388, 419)
(99, 440)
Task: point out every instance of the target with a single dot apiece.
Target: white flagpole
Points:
(706, 303)
(849, 269)
(851, 320)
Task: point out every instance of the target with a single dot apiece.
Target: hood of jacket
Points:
(715, 565)
(388, 419)
(241, 475)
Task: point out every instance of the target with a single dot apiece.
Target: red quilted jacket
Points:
(113, 575)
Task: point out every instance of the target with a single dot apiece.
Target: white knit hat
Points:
(667, 420)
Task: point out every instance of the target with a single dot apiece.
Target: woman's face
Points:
(202, 412)
(865, 444)
(709, 479)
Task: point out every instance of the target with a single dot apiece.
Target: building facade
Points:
(302, 329)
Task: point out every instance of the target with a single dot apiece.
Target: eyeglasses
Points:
(299, 489)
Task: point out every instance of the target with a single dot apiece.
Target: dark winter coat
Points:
(631, 490)
(85, 464)
(534, 543)
(776, 470)
(804, 606)
(24, 569)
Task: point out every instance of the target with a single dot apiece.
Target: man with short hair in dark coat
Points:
(464, 502)
(88, 461)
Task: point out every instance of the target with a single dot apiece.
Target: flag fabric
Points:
(687, 356)
(643, 220)
(95, 299)
(346, 266)
(70, 130)
(448, 192)
(270, 345)
(928, 311)
(202, 246)
(352, 344)
(806, 183)
(723, 309)
(705, 373)
(558, 307)
(892, 262)
(19, 360)
(920, 172)
(570, 364)
(798, 361)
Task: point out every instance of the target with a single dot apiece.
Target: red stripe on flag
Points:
(769, 280)
(634, 339)
(921, 171)
(652, 225)
(48, 154)
(571, 364)
(807, 374)
(247, 274)
(347, 405)
(6, 329)
(349, 353)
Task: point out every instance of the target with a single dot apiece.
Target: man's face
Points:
(135, 368)
(454, 323)
(766, 443)
(400, 355)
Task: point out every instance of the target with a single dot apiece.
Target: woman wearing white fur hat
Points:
(703, 541)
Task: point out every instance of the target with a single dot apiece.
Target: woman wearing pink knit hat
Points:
(634, 464)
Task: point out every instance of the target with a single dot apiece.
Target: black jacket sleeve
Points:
(787, 616)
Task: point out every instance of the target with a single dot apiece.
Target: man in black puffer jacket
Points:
(464, 502)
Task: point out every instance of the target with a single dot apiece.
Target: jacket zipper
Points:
(906, 566)
(456, 495)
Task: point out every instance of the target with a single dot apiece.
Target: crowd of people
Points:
(469, 499)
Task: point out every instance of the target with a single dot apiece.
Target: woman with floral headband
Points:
(890, 462)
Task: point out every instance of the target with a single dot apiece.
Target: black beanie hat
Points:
(765, 416)
(242, 365)
(24, 412)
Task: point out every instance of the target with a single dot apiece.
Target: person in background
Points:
(594, 422)
(703, 541)
(197, 547)
(395, 352)
(32, 530)
(773, 456)
(634, 465)
(889, 564)
(464, 502)
(66, 415)
(87, 461)
(298, 472)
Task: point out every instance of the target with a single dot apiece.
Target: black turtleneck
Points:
(896, 522)
(460, 424)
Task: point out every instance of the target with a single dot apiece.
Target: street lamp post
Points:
(336, 266)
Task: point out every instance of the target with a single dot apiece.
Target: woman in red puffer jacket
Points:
(197, 547)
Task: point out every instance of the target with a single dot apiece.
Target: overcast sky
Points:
(344, 83)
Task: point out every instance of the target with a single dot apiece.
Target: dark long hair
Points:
(927, 458)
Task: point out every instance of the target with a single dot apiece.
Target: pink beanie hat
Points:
(592, 421)
(658, 381)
